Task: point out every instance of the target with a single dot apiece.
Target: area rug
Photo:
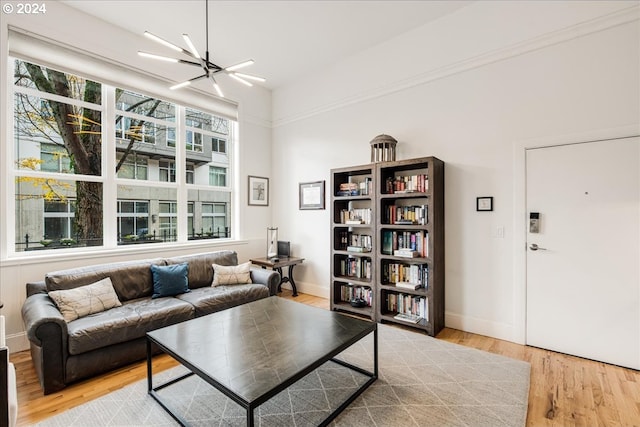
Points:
(422, 382)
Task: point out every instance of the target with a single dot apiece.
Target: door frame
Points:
(520, 227)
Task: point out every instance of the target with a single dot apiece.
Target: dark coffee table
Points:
(254, 351)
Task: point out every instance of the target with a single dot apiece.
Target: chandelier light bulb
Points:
(240, 65)
(163, 41)
(250, 77)
(160, 57)
(192, 48)
(241, 80)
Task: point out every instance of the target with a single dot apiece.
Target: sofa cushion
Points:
(169, 280)
(211, 299)
(130, 321)
(130, 279)
(200, 271)
(231, 274)
(85, 300)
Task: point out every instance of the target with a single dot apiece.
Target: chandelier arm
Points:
(182, 61)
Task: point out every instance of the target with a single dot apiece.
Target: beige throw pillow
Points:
(231, 274)
(85, 300)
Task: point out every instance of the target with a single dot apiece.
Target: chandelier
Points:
(210, 69)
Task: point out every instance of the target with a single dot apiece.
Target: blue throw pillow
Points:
(169, 280)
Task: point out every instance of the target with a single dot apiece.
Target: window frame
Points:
(109, 177)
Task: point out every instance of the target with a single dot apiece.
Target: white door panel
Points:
(583, 291)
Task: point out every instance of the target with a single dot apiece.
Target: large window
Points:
(62, 166)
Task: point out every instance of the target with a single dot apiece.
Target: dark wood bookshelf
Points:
(425, 207)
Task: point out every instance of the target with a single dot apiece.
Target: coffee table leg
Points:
(250, 416)
(149, 367)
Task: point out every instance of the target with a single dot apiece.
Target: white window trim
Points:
(110, 181)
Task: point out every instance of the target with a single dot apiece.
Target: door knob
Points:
(535, 247)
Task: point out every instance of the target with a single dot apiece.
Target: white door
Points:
(583, 283)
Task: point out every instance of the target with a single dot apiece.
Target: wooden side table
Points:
(278, 266)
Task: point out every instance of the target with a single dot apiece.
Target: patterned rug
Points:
(422, 382)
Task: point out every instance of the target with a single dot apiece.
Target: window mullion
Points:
(110, 201)
(183, 192)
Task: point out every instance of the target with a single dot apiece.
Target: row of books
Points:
(356, 267)
(409, 305)
(407, 184)
(355, 216)
(417, 214)
(350, 292)
(405, 243)
(410, 276)
(349, 241)
(361, 188)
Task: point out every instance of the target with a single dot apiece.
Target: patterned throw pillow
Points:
(231, 274)
(85, 300)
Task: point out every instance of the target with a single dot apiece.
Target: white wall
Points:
(81, 31)
(468, 89)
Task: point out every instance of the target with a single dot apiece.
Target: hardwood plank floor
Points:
(565, 390)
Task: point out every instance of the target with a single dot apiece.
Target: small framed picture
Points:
(258, 191)
(312, 195)
(484, 204)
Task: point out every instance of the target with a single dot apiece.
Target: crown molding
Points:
(602, 23)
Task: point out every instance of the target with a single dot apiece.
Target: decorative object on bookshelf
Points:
(383, 148)
(272, 242)
(358, 302)
(484, 204)
(312, 195)
(258, 191)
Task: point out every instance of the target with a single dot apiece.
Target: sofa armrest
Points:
(36, 288)
(39, 310)
(47, 332)
(269, 278)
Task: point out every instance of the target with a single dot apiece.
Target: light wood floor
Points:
(565, 390)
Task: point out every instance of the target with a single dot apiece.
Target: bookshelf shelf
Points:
(411, 219)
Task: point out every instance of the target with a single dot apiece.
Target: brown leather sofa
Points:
(64, 353)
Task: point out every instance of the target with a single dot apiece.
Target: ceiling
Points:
(287, 39)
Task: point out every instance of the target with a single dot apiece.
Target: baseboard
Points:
(309, 288)
(478, 326)
(17, 342)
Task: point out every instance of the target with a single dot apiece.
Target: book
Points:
(405, 222)
(410, 318)
(408, 285)
(348, 193)
(358, 249)
(406, 253)
(353, 221)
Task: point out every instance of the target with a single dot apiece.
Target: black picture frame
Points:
(484, 204)
(311, 195)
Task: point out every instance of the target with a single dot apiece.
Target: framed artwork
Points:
(484, 204)
(312, 195)
(258, 191)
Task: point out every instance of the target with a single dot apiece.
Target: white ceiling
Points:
(287, 39)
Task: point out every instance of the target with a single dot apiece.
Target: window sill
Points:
(148, 250)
